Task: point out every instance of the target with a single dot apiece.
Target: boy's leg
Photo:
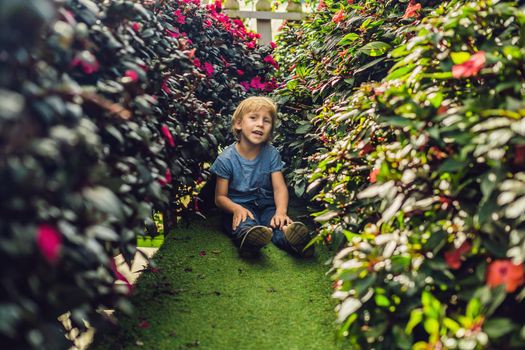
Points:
(249, 235)
(278, 238)
(294, 238)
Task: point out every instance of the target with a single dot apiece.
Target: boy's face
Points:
(255, 126)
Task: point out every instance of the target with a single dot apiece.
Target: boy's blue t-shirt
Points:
(248, 180)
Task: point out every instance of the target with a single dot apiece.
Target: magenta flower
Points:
(167, 178)
(245, 85)
(257, 84)
(86, 61)
(240, 72)
(273, 45)
(165, 87)
(119, 276)
(135, 26)
(250, 44)
(180, 18)
(197, 63)
(49, 242)
(208, 68)
(132, 75)
(206, 23)
(269, 59)
(172, 34)
(167, 134)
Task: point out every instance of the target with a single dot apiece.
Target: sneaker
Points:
(298, 236)
(255, 238)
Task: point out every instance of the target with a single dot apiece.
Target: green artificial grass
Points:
(205, 296)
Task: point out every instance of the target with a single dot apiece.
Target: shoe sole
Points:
(257, 237)
(297, 234)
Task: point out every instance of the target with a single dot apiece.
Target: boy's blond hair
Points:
(253, 104)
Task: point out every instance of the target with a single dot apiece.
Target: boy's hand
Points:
(280, 221)
(239, 215)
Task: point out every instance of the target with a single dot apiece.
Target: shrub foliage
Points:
(108, 111)
(421, 173)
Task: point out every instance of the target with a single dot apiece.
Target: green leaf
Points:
(451, 165)
(459, 57)
(400, 72)
(375, 48)
(473, 308)
(416, 316)
(104, 200)
(350, 37)
(431, 326)
(498, 327)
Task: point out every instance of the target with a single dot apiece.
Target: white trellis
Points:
(264, 15)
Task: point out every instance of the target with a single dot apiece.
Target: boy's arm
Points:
(280, 195)
(222, 201)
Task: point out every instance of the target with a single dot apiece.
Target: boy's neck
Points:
(248, 150)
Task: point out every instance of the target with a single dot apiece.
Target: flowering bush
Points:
(105, 115)
(341, 46)
(423, 180)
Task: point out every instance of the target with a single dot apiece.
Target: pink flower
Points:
(471, 67)
(218, 4)
(135, 26)
(119, 276)
(49, 242)
(250, 44)
(273, 45)
(208, 68)
(321, 6)
(412, 10)
(167, 135)
(132, 75)
(269, 59)
(507, 273)
(197, 63)
(240, 72)
(339, 16)
(453, 257)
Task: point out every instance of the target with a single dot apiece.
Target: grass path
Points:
(204, 296)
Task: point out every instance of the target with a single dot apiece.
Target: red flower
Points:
(453, 257)
(507, 273)
(273, 45)
(135, 26)
(218, 4)
(144, 324)
(339, 16)
(132, 75)
(373, 175)
(321, 6)
(471, 67)
(167, 178)
(197, 63)
(519, 155)
(367, 148)
(208, 68)
(250, 44)
(240, 72)
(49, 242)
(167, 135)
(412, 10)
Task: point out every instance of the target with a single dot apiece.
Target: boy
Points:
(250, 186)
